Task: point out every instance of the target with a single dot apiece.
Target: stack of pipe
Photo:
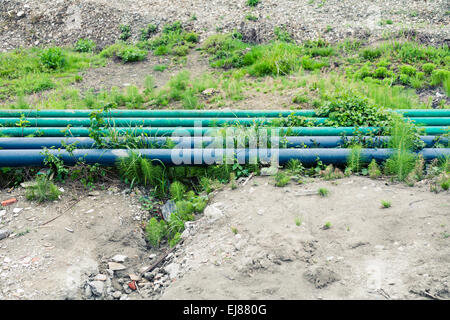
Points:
(194, 130)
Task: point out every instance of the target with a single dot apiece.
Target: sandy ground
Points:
(369, 253)
(51, 261)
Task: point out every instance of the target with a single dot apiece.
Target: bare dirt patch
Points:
(367, 253)
(255, 242)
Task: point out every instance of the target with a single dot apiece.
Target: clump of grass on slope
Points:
(125, 52)
(27, 71)
(174, 40)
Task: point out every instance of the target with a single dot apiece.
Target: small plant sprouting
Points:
(125, 32)
(281, 179)
(323, 192)
(374, 170)
(252, 3)
(298, 222)
(177, 190)
(385, 204)
(42, 190)
(155, 231)
(354, 161)
(234, 230)
(327, 225)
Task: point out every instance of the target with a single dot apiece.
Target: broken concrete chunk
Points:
(100, 277)
(172, 269)
(168, 208)
(114, 266)
(269, 171)
(213, 212)
(97, 288)
(119, 258)
(4, 233)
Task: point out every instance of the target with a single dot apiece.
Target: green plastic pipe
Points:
(197, 113)
(176, 122)
(189, 131)
(147, 122)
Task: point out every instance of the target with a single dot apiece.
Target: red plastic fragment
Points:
(9, 202)
(132, 285)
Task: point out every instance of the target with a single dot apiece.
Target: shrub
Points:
(85, 45)
(125, 52)
(53, 58)
(370, 54)
(282, 35)
(350, 109)
(147, 32)
(125, 32)
(227, 51)
(380, 73)
(180, 51)
(191, 37)
(407, 69)
(173, 27)
(439, 76)
(428, 67)
(131, 54)
(161, 51)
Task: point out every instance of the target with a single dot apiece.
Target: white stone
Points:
(119, 258)
(213, 212)
(172, 269)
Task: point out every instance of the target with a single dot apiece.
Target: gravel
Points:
(32, 22)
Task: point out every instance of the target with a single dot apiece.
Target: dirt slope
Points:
(32, 22)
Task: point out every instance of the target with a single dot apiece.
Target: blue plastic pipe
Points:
(108, 157)
(205, 142)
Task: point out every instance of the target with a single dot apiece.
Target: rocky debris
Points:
(32, 22)
(321, 276)
(4, 233)
(269, 171)
(97, 288)
(114, 266)
(9, 202)
(167, 209)
(119, 258)
(100, 277)
(213, 213)
(172, 270)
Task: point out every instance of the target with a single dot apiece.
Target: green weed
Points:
(323, 192)
(42, 190)
(385, 204)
